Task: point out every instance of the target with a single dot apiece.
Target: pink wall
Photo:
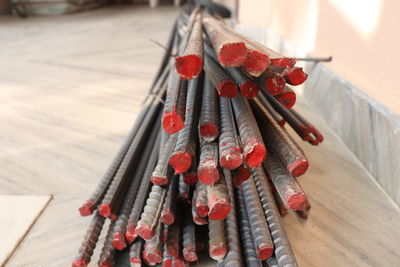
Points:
(361, 35)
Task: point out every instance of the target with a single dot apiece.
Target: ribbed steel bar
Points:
(218, 201)
(224, 84)
(259, 228)
(135, 253)
(248, 88)
(249, 250)
(197, 219)
(186, 144)
(160, 173)
(230, 151)
(234, 257)
(119, 241)
(89, 241)
(190, 176)
(288, 151)
(153, 248)
(167, 259)
(311, 134)
(190, 63)
(207, 171)
(189, 237)
(183, 190)
(144, 189)
(106, 258)
(283, 250)
(272, 82)
(217, 239)
(209, 119)
(289, 190)
(173, 240)
(200, 199)
(254, 149)
(169, 209)
(230, 49)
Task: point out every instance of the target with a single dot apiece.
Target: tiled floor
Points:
(70, 88)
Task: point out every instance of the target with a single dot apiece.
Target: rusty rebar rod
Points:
(153, 248)
(189, 251)
(218, 201)
(209, 119)
(106, 258)
(160, 174)
(135, 253)
(207, 171)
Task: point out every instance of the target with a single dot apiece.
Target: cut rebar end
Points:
(190, 178)
(209, 131)
(159, 180)
(288, 99)
(145, 231)
(190, 254)
(118, 241)
(265, 252)
(87, 208)
(130, 234)
(256, 153)
(189, 66)
(227, 88)
(79, 263)
(232, 54)
(275, 84)
(181, 162)
(152, 256)
(256, 63)
(172, 122)
(296, 200)
(299, 167)
(285, 62)
(208, 175)
(218, 252)
(296, 76)
(219, 210)
(167, 217)
(249, 89)
(105, 210)
(231, 158)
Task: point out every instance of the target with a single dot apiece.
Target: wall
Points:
(360, 35)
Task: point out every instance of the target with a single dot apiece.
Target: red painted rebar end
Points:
(145, 232)
(152, 257)
(241, 175)
(173, 249)
(231, 158)
(199, 220)
(285, 62)
(256, 63)
(209, 131)
(167, 217)
(219, 211)
(118, 241)
(87, 208)
(113, 217)
(256, 155)
(105, 210)
(275, 84)
(136, 260)
(227, 88)
(130, 235)
(299, 167)
(167, 263)
(232, 54)
(79, 263)
(265, 252)
(296, 200)
(188, 66)
(296, 76)
(218, 252)
(181, 162)
(249, 89)
(190, 178)
(288, 99)
(208, 175)
(190, 254)
(172, 122)
(203, 211)
(159, 180)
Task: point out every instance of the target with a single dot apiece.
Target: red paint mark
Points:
(152, 257)
(295, 200)
(218, 252)
(287, 99)
(256, 155)
(227, 88)
(167, 262)
(190, 178)
(299, 167)
(241, 175)
(203, 210)
(188, 66)
(159, 180)
(208, 175)
(172, 122)
(181, 162)
(130, 234)
(105, 210)
(249, 89)
(136, 260)
(199, 220)
(190, 254)
(209, 130)
(173, 249)
(167, 217)
(87, 208)
(232, 54)
(265, 252)
(256, 62)
(79, 263)
(285, 62)
(145, 232)
(296, 76)
(231, 158)
(118, 241)
(274, 84)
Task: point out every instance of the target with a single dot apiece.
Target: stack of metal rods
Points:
(208, 165)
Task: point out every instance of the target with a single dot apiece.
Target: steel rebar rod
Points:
(160, 174)
(287, 97)
(200, 199)
(224, 84)
(283, 250)
(209, 119)
(217, 239)
(218, 201)
(248, 88)
(241, 174)
(106, 258)
(169, 209)
(271, 82)
(207, 171)
(230, 151)
(153, 248)
(189, 237)
(173, 240)
(254, 149)
(135, 253)
(183, 190)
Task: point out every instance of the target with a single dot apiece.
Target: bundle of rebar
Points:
(208, 164)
